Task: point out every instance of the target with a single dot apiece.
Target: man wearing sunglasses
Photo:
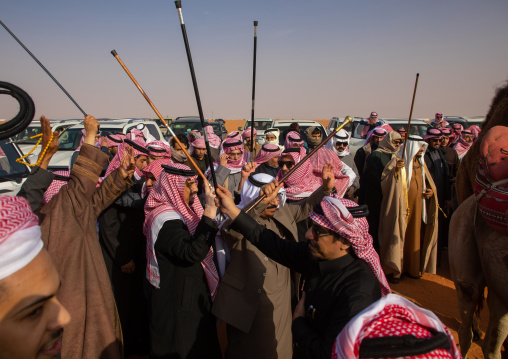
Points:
(340, 145)
(341, 269)
(437, 163)
(254, 298)
(438, 121)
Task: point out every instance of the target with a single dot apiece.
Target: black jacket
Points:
(336, 290)
(181, 322)
(446, 195)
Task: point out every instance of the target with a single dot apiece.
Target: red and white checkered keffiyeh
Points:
(135, 135)
(164, 203)
(267, 152)
(457, 130)
(248, 131)
(230, 145)
(199, 143)
(155, 168)
(117, 160)
(376, 132)
(302, 182)
(392, 316)
(114, 140)
(461, 146)
(475, 130)
(356, 230)
(20, 235)
(322, 157)
(55, 186)
(159, 149)
(213, 139)
(293, 138)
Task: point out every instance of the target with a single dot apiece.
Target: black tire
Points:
(26, 111)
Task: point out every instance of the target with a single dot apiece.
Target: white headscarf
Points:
(411, 147)
(341, 136)
(276, 133)
(250, 190)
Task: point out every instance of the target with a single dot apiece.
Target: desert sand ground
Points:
(433, 292)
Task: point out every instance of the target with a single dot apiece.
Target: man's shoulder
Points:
(360, 277)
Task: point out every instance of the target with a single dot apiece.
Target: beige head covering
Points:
(387, 146)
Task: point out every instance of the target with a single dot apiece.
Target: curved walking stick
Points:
(194, 164)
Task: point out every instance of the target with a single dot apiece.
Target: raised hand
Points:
(127, 166)
(226, 203)
(91, 129)
(328, 177)
(223, 160)
(271, 190)
(248, 169)
(46, 136)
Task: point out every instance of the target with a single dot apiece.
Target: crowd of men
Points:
(137, 251)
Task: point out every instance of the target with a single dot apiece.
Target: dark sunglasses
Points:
(319, 232)
(439, 116)
(337, 144)
(397, 142)
(289, 164)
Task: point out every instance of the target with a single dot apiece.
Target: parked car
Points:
(336, 121)
(26, 144)
(185, 124)
(418, 127)
(261, 125)
(475, 120)
(283, 125)
(70, 139)
(12, 173)
(456, 119)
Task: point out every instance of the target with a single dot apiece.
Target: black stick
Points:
(42, 66)
(196, 91)
(253, 90)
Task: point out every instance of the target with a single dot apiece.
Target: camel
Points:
(478, 245)
(479, 258)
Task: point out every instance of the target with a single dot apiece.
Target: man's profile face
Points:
(199, 153)
(113, 150)
(141, 162)
(189, 190)
(322, 243)
(271, 208)
(150, 180)
(31, 317)
(179, 149)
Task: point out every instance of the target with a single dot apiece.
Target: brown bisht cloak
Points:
(393, 224)
(69, 233)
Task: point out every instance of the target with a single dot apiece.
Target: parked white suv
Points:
(12, 174)
(26, 144)
(71, 138)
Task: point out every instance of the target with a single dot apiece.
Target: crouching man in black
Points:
(342, 272)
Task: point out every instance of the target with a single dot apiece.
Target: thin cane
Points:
(253, 89)
(44, 68)
(196, 167)
(258, 200)
(196, 91)
(410, 114)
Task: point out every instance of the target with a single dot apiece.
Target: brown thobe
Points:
(69, 233)
(254, 297)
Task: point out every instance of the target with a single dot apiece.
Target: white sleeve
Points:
(348, 171)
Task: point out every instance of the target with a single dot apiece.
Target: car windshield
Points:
(259, 125)
(24, 136)
(187, 126)
(9, 168)
(70, 139)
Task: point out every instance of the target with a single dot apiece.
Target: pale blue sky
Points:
(316, 59)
